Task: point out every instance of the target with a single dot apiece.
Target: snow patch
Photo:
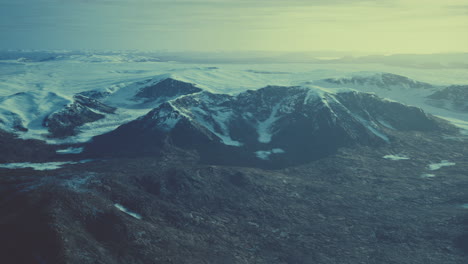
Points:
(444, 163)
(125, 210)
(378, 133)
(166, 119)
(370, 127)
(228, 140)
(265, 154)
(70, 150)
(221, 117)
(40, 166)
(264, 127)
(427, 175)
(385, 124)
(215, 121)
(396, 157)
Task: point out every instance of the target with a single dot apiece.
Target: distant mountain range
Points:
(454, 97)
(423, 61)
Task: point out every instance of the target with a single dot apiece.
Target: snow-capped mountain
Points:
(38, 99)
(166, 88)
(78, 56)
(48, 115)
(25, 111)
(387, 85)
(274, 124)
(88, 108)
(83, 110)
(454, 97)
(386, 81)
(434, 99)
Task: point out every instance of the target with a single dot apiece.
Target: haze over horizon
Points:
(357, 26)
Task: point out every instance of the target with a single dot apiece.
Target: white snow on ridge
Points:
(385, 124)
(125, 210)
(222, 117)
(219, 119)
(370, 127)
(167, 119)
(265, 127)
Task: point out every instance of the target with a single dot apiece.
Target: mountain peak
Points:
(381, 80)
(273, 126)
(167, 87)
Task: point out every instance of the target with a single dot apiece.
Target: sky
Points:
(369, 26)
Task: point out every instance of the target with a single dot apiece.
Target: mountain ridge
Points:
(283, 123)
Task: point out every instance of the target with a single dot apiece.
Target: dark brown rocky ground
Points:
(14, 149)
(352, 207)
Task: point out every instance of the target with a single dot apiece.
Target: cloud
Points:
(233, 24)
(212, 3)
(461, 10)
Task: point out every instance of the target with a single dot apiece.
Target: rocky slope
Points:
(351, 207)
(14, 149)
(83, 110)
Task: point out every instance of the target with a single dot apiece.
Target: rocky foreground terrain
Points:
(350, 207)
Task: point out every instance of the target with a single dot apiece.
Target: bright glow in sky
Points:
(374, 26)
